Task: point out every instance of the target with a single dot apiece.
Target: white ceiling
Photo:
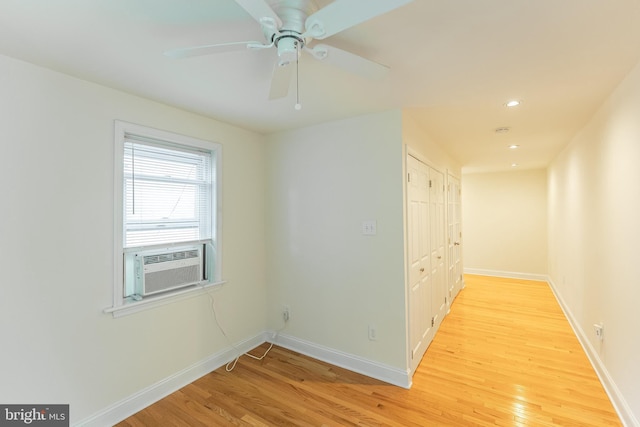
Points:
(454, 63)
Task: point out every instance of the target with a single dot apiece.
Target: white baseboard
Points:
(149, 395)
(506, 274)
(379, 371)
(619, 403)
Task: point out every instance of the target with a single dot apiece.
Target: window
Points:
(167, 193)
(167, 222)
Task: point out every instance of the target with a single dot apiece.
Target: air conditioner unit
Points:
(161, 271)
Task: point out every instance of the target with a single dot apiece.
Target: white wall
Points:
(423, 146)
(323, 182)
(594, 230)
(504, 219)
(56, 249)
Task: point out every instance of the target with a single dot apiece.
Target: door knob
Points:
(422, 270)
(457, 243)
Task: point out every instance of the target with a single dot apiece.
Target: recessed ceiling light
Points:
(503, 130)
(514, 146)
(512, 103)
(514, 165)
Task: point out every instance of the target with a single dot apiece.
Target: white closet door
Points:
(419, 253)
(454, 238)
(438, 246)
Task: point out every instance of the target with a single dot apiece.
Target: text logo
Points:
(34, 415)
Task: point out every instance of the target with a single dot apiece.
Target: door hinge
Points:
(433, 321)
(409, 177)
(429, 183)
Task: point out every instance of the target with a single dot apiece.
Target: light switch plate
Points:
(369, 228)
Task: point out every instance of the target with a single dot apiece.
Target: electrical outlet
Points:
(599, 330)
(373, 333)
(286, 313)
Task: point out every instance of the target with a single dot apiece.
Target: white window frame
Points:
(121, 305)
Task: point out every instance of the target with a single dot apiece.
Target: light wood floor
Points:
(504, 356)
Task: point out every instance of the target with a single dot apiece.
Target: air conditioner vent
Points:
(160, 272)
(172, 256)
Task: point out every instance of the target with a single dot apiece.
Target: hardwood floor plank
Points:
(504, 356)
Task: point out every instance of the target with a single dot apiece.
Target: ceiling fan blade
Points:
(343, 14)
(280, 81)
(187, 52)
(348, 61)
(261, 12)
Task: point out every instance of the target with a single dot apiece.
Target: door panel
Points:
(420, 307)
(454, 238)
(438, 246)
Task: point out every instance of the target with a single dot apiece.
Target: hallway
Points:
(506, 355)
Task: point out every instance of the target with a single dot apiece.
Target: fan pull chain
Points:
(298, 106)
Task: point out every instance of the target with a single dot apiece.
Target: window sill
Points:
(131, 307)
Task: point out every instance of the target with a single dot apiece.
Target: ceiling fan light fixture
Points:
(288, 49)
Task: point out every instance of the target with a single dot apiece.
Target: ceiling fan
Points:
(290, 26)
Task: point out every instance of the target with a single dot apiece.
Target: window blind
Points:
(168, 193)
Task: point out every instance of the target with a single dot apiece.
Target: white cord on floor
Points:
(232, 364)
